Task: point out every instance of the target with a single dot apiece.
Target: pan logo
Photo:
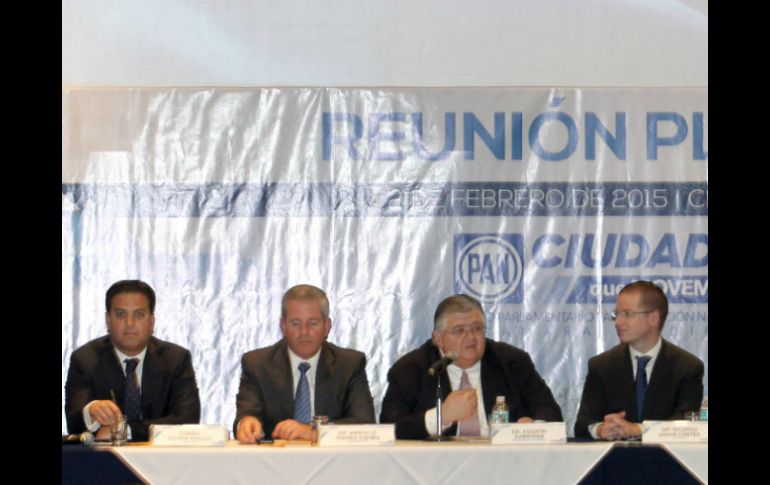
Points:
(489, 266)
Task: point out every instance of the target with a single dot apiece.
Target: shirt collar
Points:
(295, 359)
(653, 352)
(474, 369)
(122, 357)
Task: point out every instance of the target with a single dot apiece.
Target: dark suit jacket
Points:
(505, 371)
(675, 386)
(169, 390)
(267, 387)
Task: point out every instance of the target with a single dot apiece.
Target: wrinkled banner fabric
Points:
(540, 202)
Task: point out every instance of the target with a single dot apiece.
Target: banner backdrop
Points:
(540, 202)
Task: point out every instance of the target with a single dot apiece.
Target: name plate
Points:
(528, 433)
(357, 435)
(188, 435)
(675, 432)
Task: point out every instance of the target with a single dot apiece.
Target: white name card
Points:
(357, 435)
(188, 435)
(528, 433)
(675, 432)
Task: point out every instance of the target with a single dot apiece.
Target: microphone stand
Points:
(439, 436)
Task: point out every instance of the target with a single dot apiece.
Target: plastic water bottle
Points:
(500, 411)
(704, 409)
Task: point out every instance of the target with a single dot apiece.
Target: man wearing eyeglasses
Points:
(483, 370)
(284, 385)
(643, 377)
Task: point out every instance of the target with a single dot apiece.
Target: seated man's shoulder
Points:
(262, 355)
(610, 355)
(504, 351)
(345, 354)
(166, 347)
(168, 352)
(346, 357)
(415, 360)
(92, 350)
(682, 357)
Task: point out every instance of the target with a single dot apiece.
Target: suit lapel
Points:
(627, 384)
(113, 374)
(281, 375)
(323, 380)
(659, 377)
(491, 385)
(151, 381)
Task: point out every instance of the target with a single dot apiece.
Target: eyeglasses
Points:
(615, 315)
(462, 330)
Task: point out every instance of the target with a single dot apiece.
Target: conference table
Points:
(407, 462)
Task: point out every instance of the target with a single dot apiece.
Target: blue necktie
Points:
(641, 382)
(302, 397)
(133, 403)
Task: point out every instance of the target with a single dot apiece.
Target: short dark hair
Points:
(131, 286)
(306, 293)
(652, 297)
(455, 304)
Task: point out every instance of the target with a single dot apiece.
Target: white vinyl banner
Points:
(542, 203)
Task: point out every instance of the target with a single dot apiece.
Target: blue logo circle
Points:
(489, 268)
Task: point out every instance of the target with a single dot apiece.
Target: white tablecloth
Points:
(408, 462)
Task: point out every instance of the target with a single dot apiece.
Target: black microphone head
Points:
(440, 364)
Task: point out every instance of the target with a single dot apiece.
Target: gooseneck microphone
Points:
(441, 364)
(85, 438)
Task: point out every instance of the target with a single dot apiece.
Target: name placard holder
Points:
(675, 432)
(187, 435)
(528, 433)
(357, 435)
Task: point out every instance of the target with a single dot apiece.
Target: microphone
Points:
(440, 364)
(85, 438)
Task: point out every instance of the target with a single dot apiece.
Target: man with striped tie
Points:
(284, 385)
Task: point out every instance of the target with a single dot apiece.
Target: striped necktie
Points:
(302, 397)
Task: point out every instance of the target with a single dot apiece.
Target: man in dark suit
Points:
(301, 375)
(483, 370)
(643, 377)
(159, 374)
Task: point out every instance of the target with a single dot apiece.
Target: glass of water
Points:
(118, 431)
